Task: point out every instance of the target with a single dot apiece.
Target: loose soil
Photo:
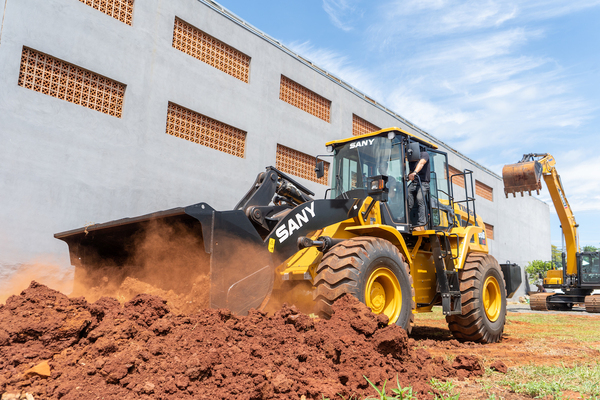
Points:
(53, 346)
(143, 350)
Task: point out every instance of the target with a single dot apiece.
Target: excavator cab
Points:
(589, 269)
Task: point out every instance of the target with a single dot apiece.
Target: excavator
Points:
(279, 244)
(579, 276)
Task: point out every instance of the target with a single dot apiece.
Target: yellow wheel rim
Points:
(383, 294)
(492, 300)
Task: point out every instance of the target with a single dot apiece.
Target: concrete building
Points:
(111, 109)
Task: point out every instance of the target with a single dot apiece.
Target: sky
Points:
(494, 79)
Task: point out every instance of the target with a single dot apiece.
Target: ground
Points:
(52, 347)
(533, 343)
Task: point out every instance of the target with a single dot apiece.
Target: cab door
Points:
(441, 207)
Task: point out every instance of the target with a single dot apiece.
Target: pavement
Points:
(524, 308)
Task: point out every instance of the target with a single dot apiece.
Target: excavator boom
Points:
(525, 176)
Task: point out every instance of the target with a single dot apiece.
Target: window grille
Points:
(484, 191)
(303, 98)
(118, 9)
(361, 126)
(457, 180)
(206, 48)
(299, 164)
(489, 231)
(57, 78)
(197, 128)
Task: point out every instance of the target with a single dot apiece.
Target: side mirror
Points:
(320, 169)
(413, 152)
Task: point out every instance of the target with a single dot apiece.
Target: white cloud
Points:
(342, 13)
(477, 75)
(339, 65)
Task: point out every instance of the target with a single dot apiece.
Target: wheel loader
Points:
(280, 244)
(580, 273)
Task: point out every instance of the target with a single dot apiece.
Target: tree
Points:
(556, 257)
(590, 248)
(535, 267)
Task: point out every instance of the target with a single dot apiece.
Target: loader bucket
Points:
(522, 177)
(213, 255)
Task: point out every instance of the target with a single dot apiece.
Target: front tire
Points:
(373, 271)
(483, 298)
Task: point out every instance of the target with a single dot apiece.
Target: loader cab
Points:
(387, 152)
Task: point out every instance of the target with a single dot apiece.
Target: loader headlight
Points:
(377, 184)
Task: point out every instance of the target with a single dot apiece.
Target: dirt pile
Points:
(143, 350)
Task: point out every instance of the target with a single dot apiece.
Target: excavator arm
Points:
(525, 176)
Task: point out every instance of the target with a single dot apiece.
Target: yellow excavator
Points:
(279, 244)
(580, 272)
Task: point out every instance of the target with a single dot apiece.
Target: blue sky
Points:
(493, 79)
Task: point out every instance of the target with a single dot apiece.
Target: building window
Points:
(118, 9)
(305, 99)
(197, 128)
(299, 164)
(57, 78)
(489, 231)
(206, 48)
(458, 180)
(361, 126)
(484, 191)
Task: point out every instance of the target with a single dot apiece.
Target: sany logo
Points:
(362, 143)
(295, 223)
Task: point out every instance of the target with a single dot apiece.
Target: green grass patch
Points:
(551, 381)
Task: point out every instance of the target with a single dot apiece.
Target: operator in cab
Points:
(419, 187)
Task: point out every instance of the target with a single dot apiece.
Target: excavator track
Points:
(538, 301)
(592, 303)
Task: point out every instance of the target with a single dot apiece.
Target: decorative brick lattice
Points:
(489, 231)
(299, 164)
(304, 99)
(118, 9)
(206, 48)
(54, 77)
(458, 180)
(197, 128)
(361, 126)
(484, 191)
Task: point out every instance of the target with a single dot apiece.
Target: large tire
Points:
(373, 271)
(483, 297)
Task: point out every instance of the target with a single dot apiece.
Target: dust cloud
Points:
(168, 259)
(16, 278)
(164, 259)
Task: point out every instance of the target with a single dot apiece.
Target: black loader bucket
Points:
(214, 255)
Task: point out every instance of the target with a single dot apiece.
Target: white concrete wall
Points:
(63, 165)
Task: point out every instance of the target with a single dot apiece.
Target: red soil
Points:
(143, 350)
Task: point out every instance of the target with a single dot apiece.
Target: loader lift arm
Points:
(276, 187)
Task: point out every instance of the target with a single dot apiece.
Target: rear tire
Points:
(483, 297)
(373, 271)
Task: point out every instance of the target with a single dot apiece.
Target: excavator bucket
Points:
(205, 254)
(522, 177)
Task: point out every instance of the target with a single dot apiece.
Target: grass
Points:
(446, 390)
(554, 381)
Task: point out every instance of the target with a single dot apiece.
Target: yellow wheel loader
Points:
(580, 273)
(279, 244)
